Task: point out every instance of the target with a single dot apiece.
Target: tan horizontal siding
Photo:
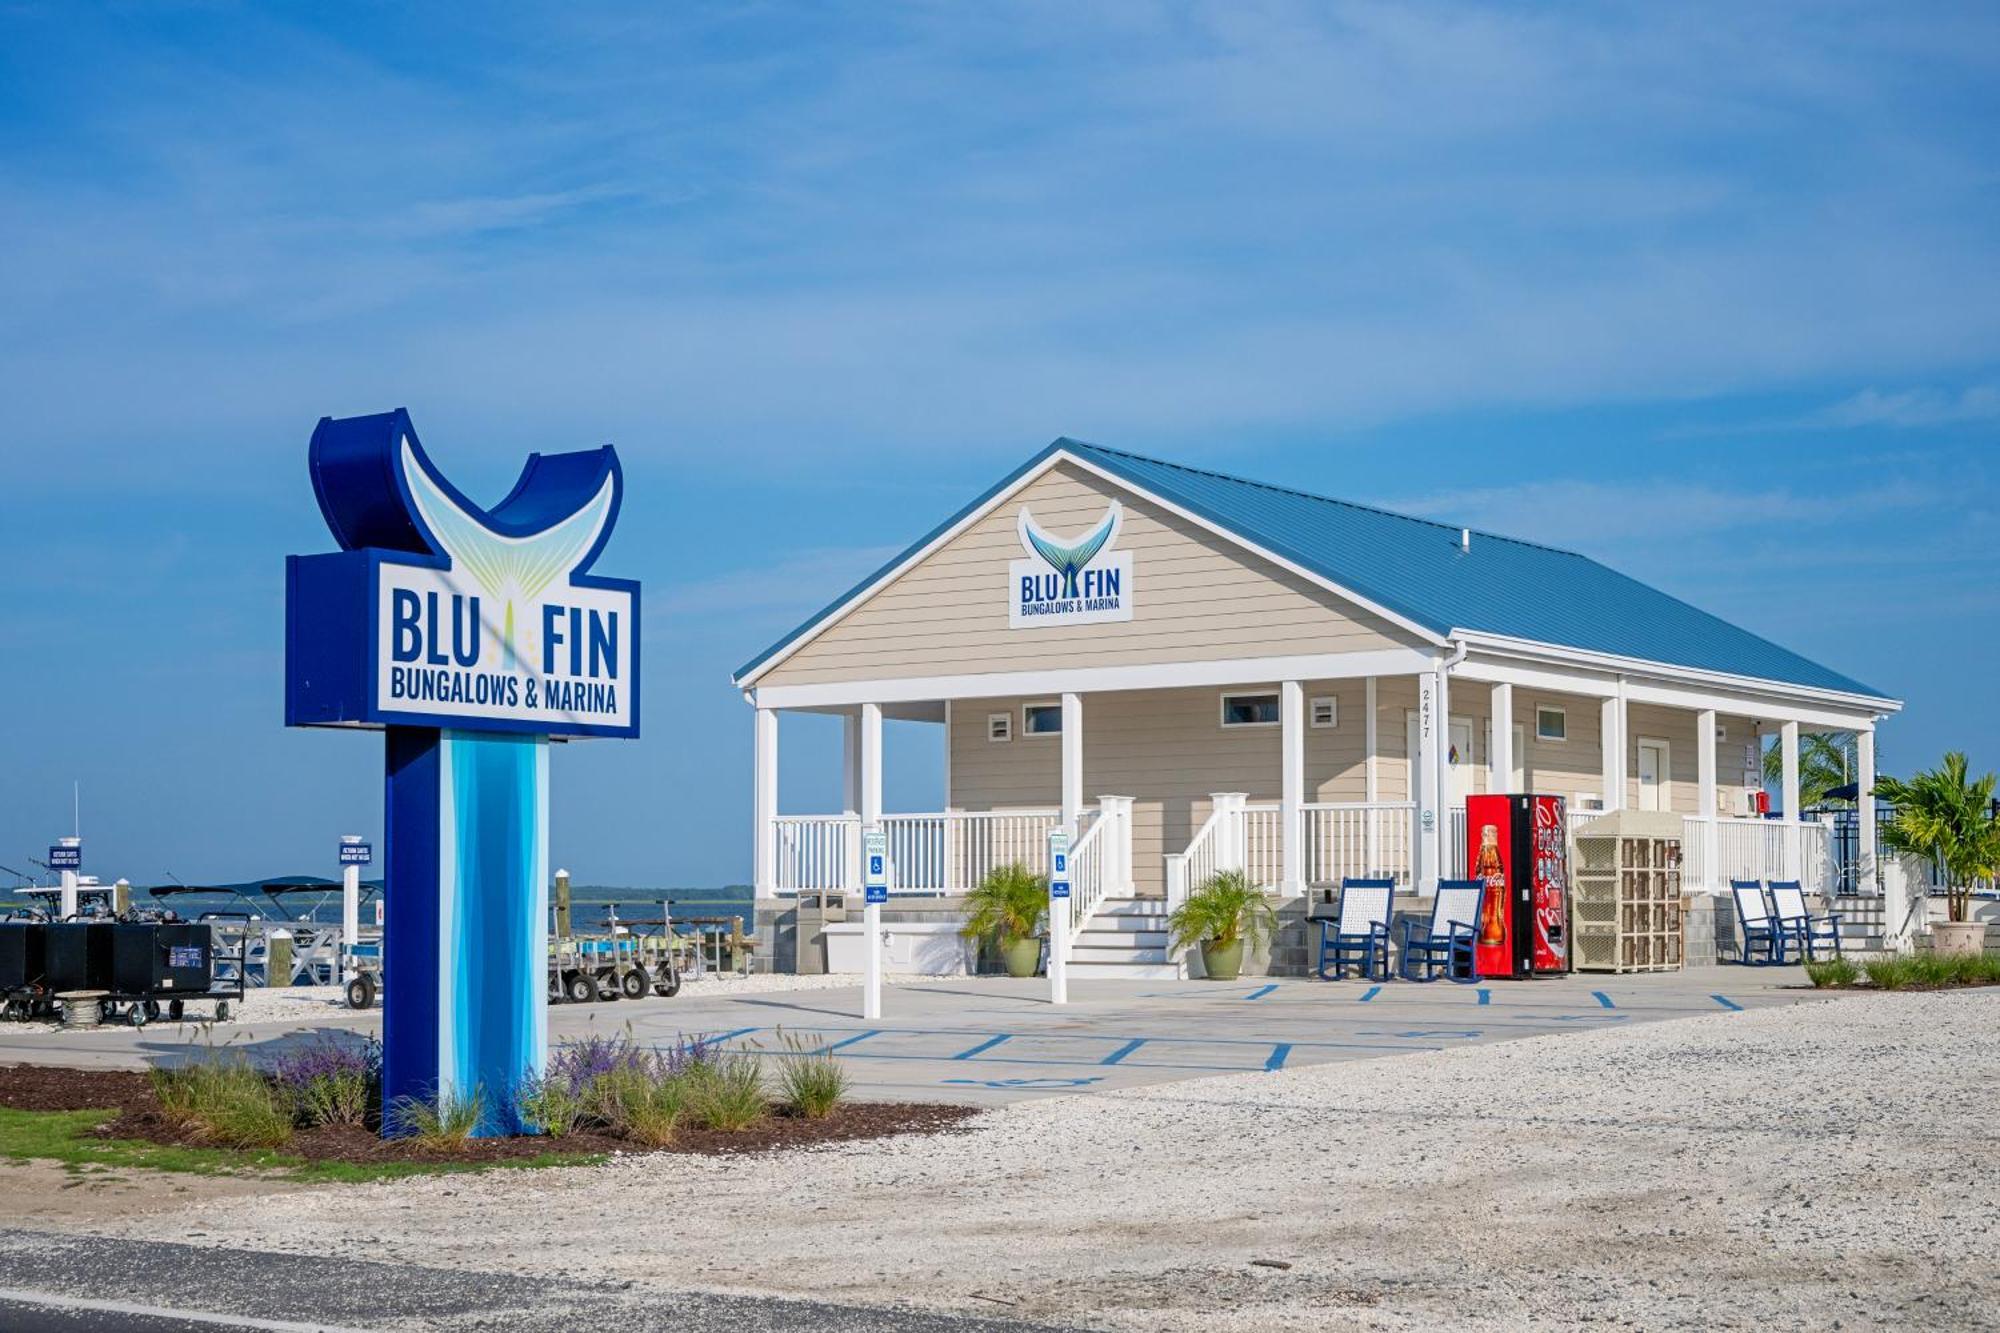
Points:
(1195, 597)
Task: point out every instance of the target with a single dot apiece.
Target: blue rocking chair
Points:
(1798, 925)
(1763, 937)
(1360, 935)
(1445, 944)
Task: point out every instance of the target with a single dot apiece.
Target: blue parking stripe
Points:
(1260, 992)
(1725, 1002)
(1279, 1052)
(1370, 994)
(1485, 996)
(719, 1037)
(1604, 999)
(1119, 1055)
(983, 1046)
(849, 1041)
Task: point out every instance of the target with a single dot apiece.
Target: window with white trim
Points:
(999, 726)
(1041, 719)
(1551, 723)
(1250, 710)
(1324, 711)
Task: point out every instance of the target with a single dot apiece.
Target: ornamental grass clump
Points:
(1832, 972)
(727, 1092)
(223, 1099)
(811, 1082)
(616, 1086)
(445, 1125)
(328, 1081)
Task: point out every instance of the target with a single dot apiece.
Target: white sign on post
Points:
(1059, 917)
(875, 892)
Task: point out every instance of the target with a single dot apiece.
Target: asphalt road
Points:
(81, 1284)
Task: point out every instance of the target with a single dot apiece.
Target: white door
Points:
(1461, 762)
(1652, 775)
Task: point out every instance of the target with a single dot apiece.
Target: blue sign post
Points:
(874, 893)
(468, 636)
(356, 853)
(65, 858)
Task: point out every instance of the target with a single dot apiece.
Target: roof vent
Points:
(1465, 539)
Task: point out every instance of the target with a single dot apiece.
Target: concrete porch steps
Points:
(1125, 940)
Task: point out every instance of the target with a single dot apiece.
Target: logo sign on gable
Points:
(1076, 580)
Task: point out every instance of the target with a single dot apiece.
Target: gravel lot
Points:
(1819, 1166)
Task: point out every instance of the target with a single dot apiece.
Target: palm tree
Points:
(1944, 815)
(1826, 760)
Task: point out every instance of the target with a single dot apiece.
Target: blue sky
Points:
(1713, 295)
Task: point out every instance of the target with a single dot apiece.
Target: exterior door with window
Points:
(1653, 775)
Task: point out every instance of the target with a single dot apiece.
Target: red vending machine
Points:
(1519, 845)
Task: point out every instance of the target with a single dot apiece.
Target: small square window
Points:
(999, 726)
(1324, 711)
(1249, 710)
(1041, 719)
(1721, 732)
(1551, 724)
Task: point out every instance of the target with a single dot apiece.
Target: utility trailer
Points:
(581, 970)
(139, 968)
(24, 990)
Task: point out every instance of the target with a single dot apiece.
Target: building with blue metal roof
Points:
(1187, 670)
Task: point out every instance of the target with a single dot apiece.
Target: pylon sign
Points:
(470, 637)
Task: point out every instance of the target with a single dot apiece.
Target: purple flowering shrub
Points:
(330, 1081)
(616, 1085)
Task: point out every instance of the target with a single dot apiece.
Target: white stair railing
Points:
(1190, 868)
(1100, 864)
(1263, 845)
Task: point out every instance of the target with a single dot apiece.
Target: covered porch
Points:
(1299, 781)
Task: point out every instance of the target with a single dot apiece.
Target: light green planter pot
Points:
(1222, 962)
(1021, 956)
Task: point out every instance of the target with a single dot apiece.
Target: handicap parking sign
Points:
(875, 868)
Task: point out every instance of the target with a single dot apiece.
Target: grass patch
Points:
(70, 1138)
(1833, 972)
(444, 1125)
(224, 1101)
(811, 1082)
(726, 1092)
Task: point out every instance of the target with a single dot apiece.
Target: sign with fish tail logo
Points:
(1079, 580)
(471, 637)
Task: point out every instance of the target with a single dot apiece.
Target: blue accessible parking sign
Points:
(875, 868)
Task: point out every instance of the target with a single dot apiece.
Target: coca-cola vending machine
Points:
(1519, 845)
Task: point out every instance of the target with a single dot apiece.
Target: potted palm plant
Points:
(1945, 816)
(1007, 907)
(1220, 917)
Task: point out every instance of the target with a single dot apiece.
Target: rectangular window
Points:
(1324, 711)
(1041, 719)
(1249, 710)
(999, 726)
(1551, 724)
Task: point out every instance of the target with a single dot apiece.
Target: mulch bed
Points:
(52, 1088)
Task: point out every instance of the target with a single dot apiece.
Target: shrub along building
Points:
(1190, 672)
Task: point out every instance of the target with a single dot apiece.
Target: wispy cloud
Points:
(1909, 409)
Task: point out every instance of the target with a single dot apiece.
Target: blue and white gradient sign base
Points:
(466, 931)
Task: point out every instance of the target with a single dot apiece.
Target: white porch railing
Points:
(1358, 838)
(1765, 849)
(936, 853)
(815, 853)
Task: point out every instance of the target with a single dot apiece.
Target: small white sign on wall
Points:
(1077, 580)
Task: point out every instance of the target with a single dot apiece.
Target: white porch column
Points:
(1864, 810)
(1704, 776)
(1432, 819)
(764, 800)
(1500, 750)
(1788, 757)
(1292, 788)
(1372, 791)
(850, 762)
(1611, 728)
(1116, 841)
(1229, 841)
(1072, 762)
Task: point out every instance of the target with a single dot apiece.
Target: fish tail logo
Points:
(1069, 558)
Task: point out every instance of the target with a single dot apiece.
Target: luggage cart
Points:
(161, 967)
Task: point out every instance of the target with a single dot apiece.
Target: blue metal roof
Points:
(1416, 568)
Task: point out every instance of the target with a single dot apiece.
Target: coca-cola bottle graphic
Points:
(1493, 903)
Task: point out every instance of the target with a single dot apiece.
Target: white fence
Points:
(1355, 839)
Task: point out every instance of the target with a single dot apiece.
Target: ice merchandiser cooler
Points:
(1519, 846)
